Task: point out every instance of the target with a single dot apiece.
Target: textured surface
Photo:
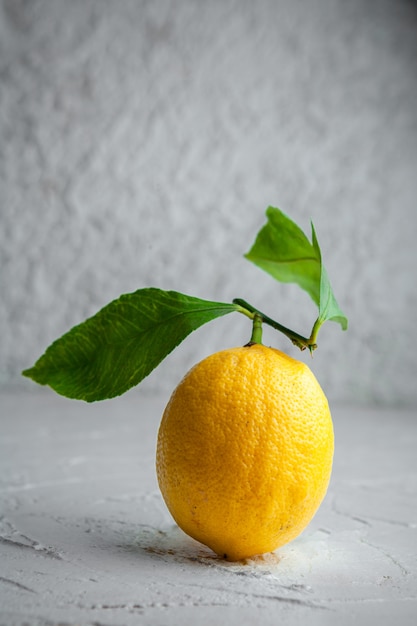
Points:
(86, 539)
(140, 143)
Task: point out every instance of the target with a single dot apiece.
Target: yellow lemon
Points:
(245, 450)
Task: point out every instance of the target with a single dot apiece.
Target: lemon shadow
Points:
(173, 545)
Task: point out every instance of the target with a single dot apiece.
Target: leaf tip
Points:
(28, 373)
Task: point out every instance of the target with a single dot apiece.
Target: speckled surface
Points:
(85, 538)
(141, 141)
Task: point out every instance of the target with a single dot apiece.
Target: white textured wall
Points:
(141, 142)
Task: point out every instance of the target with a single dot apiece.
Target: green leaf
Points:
(115, 349)
(328, 306)
(282, 249)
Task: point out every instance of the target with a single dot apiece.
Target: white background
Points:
(141, 142)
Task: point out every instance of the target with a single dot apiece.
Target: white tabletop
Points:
(85, 537)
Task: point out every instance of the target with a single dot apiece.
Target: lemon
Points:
(245, 450)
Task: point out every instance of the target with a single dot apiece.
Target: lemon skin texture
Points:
(245, 450)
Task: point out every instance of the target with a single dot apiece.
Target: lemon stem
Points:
(298, 340)
(256, 329)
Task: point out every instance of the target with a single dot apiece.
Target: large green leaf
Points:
(115, 349)
(282, 249)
